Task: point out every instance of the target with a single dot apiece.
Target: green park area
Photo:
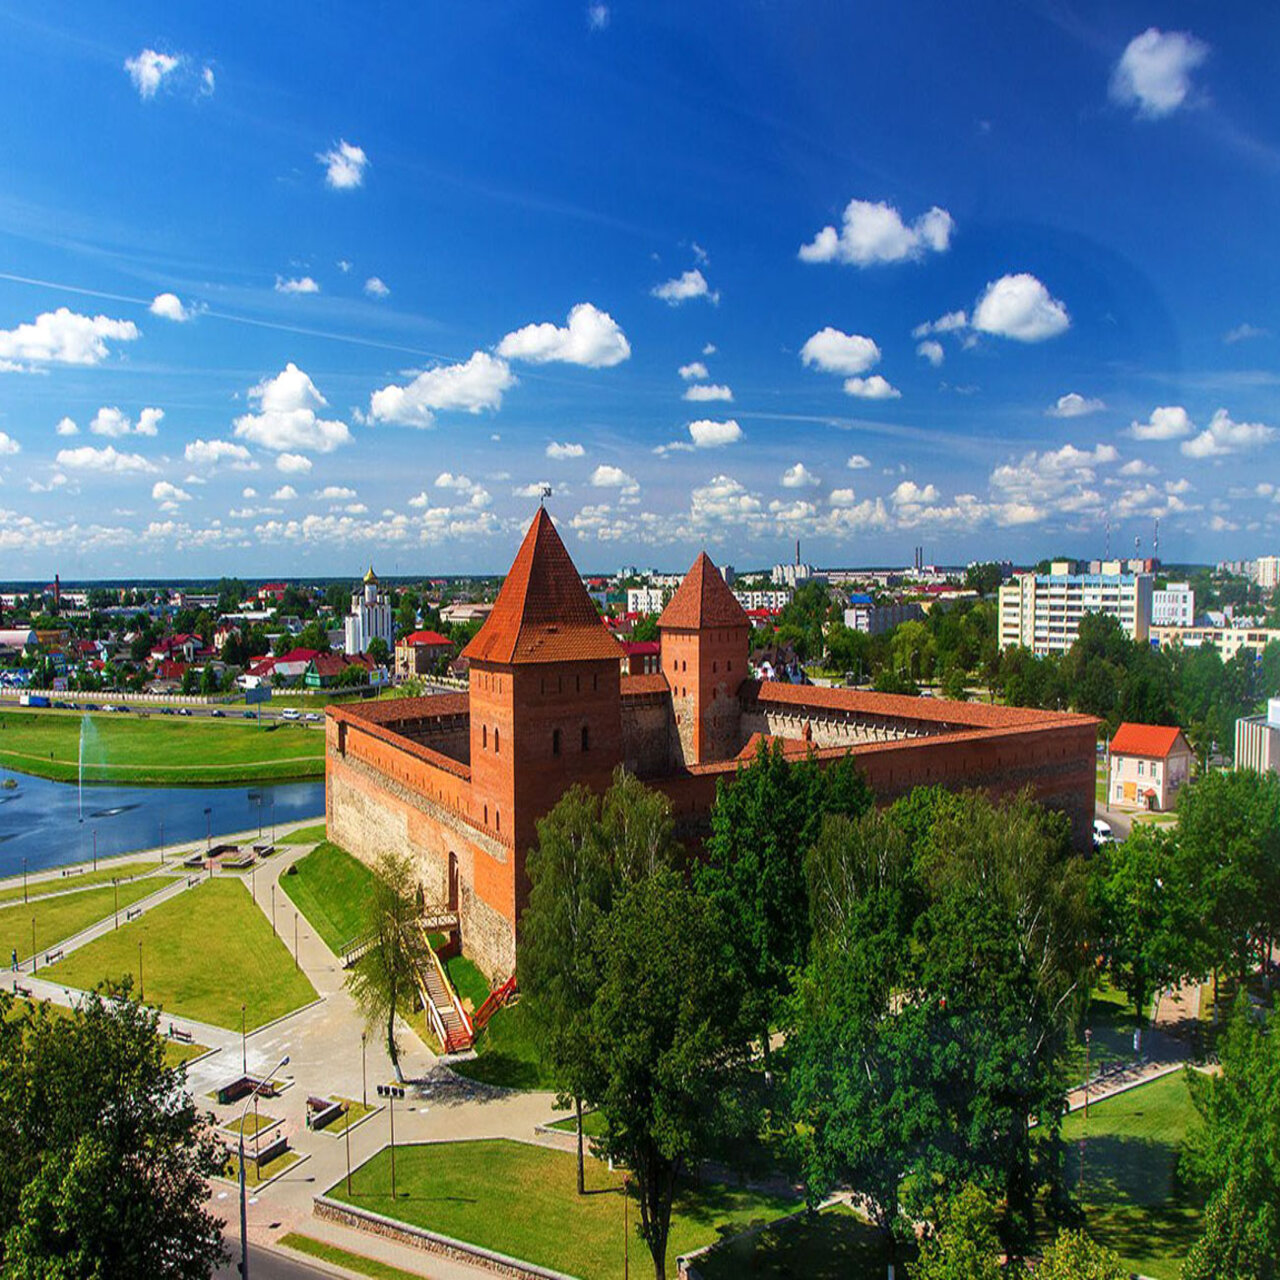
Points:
(148, 748)
(343, 1258)
(304, 835)
(64, 915)
(1124, 1161)
(452, 1187)
(175, 1052)
(62, 884)
(203, 954)
(330, 888)
(830, 1245)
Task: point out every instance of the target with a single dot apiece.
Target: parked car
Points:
(1102, 833)
(184, 711)
(312, 715)
(291, 714)
(248, 715)
(217, 711)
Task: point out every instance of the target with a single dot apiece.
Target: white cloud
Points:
(62, 337)
(447, 480)
(693, 370)
(606, 476)
(213, 453)
(1021, 308)
(1223, 436)
(873, 233)
(1074, 405)
(8, 445)
(334, 493)
(1243, 332)
(1168, 422)
(835, 352)
(111, 422)
(248, 493)
(149, 69)
(1136, 467)
(477, 384)
(931, 351)
(709, 349)
(723, 500)
(1059, 481)
(952, 322)
(344, 166)
(67, 427)
(857, 462)
(293, 464)
(560, 451)
(704, 391)
(707, 434)
(591, 338)
(534, 490)
(420, 500)
(87, 458)
(908, 493)
(285, 493)
(300, 284)
(799, 477)
(1154, 72)
(376, 288)
(287, 420)
(163, 491)
(597, 16)
(207, 82)
(689, 285)
(872, 388)
(168, 306)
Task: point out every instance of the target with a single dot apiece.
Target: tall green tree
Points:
(1074, 1256)
(965, 1245)
(105, 1156)
(384, 979)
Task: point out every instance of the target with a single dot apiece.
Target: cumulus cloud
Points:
(1154, 72)
(835, 352)
(149, 69)
(473, 386)
(723, 500)
(287, 420)
(693, 370)
(799, 477)
(707, 434)
(597, 16)
(111, 422)
(857, 462)
(704, 391)
(285, 493)
(931, 350)
(1243, 332)
(1021, 308)
(568, 449)
(1053, 482)
(1223, 436)
(1169, 422)
(606, 476)
(215, 453)
(299, 284)
(8, 445)
(168, 306)
(62, 337)
(344, 166)
(376, 288)
(67, 427)
(952, 322)
(535, 490)
(872, 388)
(591, 338)
(293, 464)
(334, 493)
(1074, 405)
(684, 288)
(447, 480)
(1136, 467)
(874, 233)
(163, 491)
(107, 460)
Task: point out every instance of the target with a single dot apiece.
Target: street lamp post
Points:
(115, 884)
(24, 880)
(95, 848)
(364, 1079)
(391, 1092)
(259, 816)
(208, 830)
(273, 819)
(244, 1044)
(162, 842)
(244, 1204)
(273, 910)
(142, 991)
(34, 958)
(296, 965)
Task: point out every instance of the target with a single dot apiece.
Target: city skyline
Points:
(277, 298)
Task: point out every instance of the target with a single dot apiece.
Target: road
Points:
(265, 1264)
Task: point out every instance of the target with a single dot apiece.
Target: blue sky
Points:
(287, 288)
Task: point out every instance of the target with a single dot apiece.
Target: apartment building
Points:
(1173, 606)
(1228, 640)
(1258, 740)
(1042, 611)
(646, 599)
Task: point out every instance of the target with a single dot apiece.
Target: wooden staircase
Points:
(448, 1019)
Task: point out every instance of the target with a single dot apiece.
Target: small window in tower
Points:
(555, 742)
(728, 666)
(497, 818)
(577, 684)
(715, 667)
(684, 666)
(595, 682)
(484, 735)
(586, 738)
(496, 746)
(542, 684)
(486, 815)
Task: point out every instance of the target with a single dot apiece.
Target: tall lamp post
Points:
(391, 1092)
(208, 830)
(244, 1044)
(244, 1204)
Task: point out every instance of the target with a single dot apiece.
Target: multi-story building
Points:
(1267, 572)
(1228, 640)
(770, 600)
(1258, 740)
(646, 599)
(864, 615)
(1042, 611)
(370, 616)
(1173, 606)
(1149, 764)
(794, 575)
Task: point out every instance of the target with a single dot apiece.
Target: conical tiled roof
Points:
(703, 599)
(543, 612)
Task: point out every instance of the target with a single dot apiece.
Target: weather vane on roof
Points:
(544, 492)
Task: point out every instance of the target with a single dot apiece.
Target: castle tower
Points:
(706, 641)
(546, 703)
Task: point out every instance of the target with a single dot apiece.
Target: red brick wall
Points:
(705, 669)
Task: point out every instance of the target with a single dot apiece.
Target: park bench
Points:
(195, 860)
(219, 849)
(176, 1033)
(242, 863)
(52, 957)
(276, 1147)
(132, 913)
(24, 992)
(264, 850)
(322, 1111)
(74, 871)
(242, 1087)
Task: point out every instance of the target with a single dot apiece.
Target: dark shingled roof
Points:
(543, 612)
(703, 599)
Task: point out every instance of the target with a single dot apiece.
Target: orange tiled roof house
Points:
(458, 782)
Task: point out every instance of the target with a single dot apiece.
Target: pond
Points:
(40, 820)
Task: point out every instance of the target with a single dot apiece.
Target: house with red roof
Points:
(421, 652)
(1149, 764)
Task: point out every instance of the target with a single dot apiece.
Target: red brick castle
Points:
(458, 782)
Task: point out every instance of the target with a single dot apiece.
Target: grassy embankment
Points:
(154, 750)
(204, 953)
(64, 915)
(13, 891)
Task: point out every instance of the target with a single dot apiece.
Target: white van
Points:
(1102, 833)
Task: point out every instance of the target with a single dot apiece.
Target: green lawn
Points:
(64, 916)
(158, 750)
(1112, 1020)
(61, 884)
(253, 1176)
(330, 888)
(1134, 1203)
(592, 1124)
(355, 1112)
(203, 953)
(252, 1124)
(304, 835)
(342, 1258)
(470, 984)
(833, 1245)
(452, 1187)
(507, 1053)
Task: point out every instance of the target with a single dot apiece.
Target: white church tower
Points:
(370, 616)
